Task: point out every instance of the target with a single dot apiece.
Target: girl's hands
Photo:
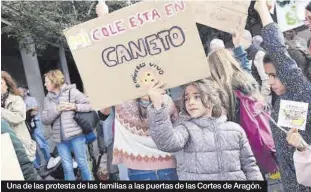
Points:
(156, 93)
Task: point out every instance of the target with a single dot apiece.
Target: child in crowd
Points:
(214, 148)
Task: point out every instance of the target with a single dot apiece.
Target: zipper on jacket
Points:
(218, 149)
(61, 128)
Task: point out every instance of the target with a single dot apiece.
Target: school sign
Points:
(119, 55)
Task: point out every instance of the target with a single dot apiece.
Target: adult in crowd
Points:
(257, 40)
(289, 83)
(26, 165)
(60, 105)
(33, 117)
(308, 15)
(255, 55)
(107, 130)
(299, 52)
(13, 111)
(291, 35)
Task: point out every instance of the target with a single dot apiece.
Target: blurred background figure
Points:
(13, 111)
(34, 120)
(308, 15)
(216, 44)
(257, 40)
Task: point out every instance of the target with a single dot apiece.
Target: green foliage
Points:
(45, 20)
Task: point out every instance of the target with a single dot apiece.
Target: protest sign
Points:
(119, 55)
(293, 114)
(290, 14)
(223, 15)
(10, 169)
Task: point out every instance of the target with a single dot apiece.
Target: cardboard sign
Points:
(10, 168)
(290, 14)
(293, 114)
(119, 55)
(223, 15)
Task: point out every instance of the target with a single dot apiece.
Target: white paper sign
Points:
(290, 14)
(293, 114)
(10, 167)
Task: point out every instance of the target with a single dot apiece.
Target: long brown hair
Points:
(10, 82)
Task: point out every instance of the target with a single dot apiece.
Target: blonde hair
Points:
(11, 84)
(210, 94)
(227, 73)
(56, 77)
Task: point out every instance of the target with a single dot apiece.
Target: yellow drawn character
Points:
(148, 78)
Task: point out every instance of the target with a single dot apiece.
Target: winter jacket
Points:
(298, 88)
(252, 51)
(256, 55)
(27, 167)
(300, 56)
(14, 113)
(64, 127)
(214, 149)
(241, 55)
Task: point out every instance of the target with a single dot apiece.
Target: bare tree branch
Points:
(91, 7)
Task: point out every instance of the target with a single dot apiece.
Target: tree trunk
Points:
(32, 71)
(63, 64)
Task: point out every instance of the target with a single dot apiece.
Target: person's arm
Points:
(165, 136)
(294, 139)
(241, 55)
(104, 113)
(50, 112)
(81, 101)
(35, 106)
(287, 69)
(248, 161)
(265, 87)
(18, 113)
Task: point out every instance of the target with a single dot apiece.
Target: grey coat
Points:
(63, 121)
(214, 149)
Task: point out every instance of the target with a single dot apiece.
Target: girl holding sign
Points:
(214, 148)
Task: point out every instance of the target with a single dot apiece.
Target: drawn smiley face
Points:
(147, 78)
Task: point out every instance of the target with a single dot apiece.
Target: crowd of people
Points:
(213, 135)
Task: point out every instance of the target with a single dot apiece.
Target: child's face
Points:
(194, 104)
